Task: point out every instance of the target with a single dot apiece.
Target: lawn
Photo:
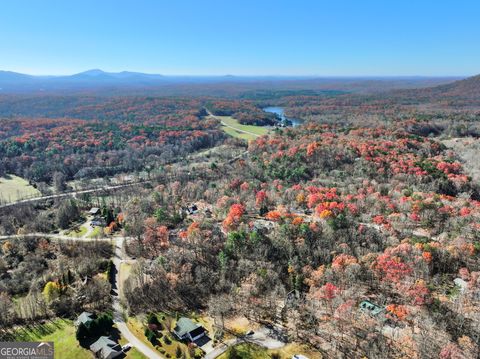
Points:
(167, 344)
(135, 354)
(96, 232)
(77, 232)
(13, 188)
(246, 351)
(62, 333)
(59, 331)
(125, 270)
(254, 131)
(132, 353)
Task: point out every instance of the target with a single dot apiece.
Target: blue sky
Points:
(242, 37)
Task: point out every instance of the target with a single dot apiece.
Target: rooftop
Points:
(105, 346)
(84, 318)
(370, 307)
(184, 326)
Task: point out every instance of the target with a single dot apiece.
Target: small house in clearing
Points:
(186, 329)
(370, 308)
(94, 211)
(84, 318)
(106, 348)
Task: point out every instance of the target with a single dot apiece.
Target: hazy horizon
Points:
(248, 38)
(305, 76)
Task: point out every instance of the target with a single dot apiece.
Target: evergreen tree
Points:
(82, 332)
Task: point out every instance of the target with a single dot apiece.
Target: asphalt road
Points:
(118, 310)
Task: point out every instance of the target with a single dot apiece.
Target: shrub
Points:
(152, 338)
(178, 352)
(152, 319)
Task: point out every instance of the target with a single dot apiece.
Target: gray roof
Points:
(84, 318)
(371, 308)
(184, 326)
(105, 346)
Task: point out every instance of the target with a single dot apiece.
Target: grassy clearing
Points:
(234, 133)
(14, 188)
(235, 129)
(96, 232)
(125, 270)
(77, 232)
(230, 121)
(59, 331)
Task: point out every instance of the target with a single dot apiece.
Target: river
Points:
(280, 112)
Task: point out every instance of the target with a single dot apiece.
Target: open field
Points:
(234, 133)
(13, 188)
(247, 132)
(59, 331)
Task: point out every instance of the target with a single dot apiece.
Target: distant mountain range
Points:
(13, 82)
(128, 82)
(17, 81)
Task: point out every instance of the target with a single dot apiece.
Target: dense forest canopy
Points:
(355, 233)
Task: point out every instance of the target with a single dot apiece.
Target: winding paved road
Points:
(118, 317)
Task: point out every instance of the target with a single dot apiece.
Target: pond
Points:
(281, 114)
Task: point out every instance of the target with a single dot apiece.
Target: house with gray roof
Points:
(106, 348)
(186, 329)
(84, 318)
(371, 308)
(94, 211)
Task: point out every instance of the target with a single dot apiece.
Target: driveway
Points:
(222, 348)
(261, 337)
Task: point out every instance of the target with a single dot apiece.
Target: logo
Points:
(26, 350)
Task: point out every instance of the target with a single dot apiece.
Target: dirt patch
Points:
(468, 149)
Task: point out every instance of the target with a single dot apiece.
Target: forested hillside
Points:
(354, 234)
